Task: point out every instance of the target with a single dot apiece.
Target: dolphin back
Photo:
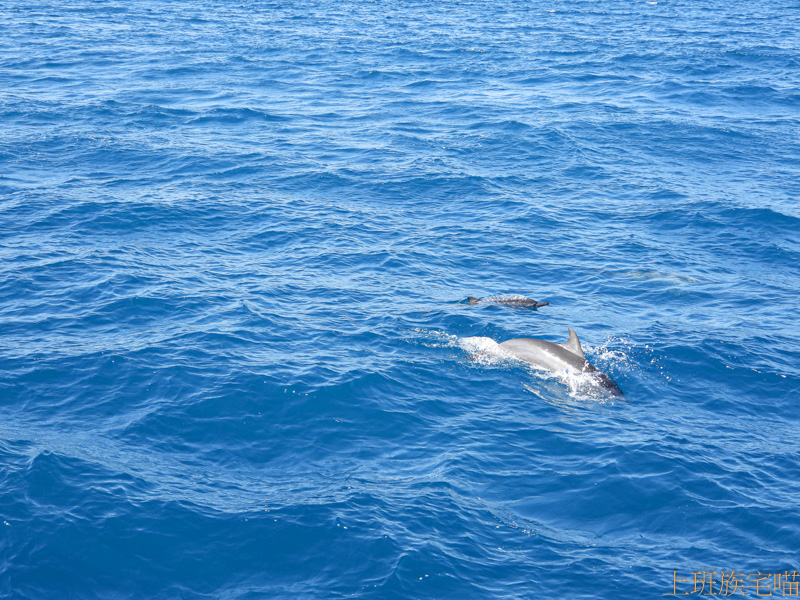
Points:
(546, 355)
(513, 300)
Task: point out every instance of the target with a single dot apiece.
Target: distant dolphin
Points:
(514, 300)
(558, 357)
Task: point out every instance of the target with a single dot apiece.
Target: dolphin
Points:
(568, 356)
(513, 300)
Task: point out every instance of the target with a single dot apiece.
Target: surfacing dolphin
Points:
(514, 300)
(568, 357)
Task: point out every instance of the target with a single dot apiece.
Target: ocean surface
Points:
(236, 242)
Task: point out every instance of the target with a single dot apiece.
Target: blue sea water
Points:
(235, 243)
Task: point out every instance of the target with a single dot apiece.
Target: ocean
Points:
(236, 356)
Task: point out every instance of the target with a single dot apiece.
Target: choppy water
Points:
(234, 244)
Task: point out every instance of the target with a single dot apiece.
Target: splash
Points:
(483, 350)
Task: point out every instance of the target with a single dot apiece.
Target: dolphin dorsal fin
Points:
(573, 344)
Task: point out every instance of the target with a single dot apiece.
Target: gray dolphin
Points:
(549, 356)
(512, 300)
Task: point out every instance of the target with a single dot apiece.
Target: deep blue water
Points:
(235, 241)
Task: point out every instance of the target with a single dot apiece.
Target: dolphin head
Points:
(608, 384)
